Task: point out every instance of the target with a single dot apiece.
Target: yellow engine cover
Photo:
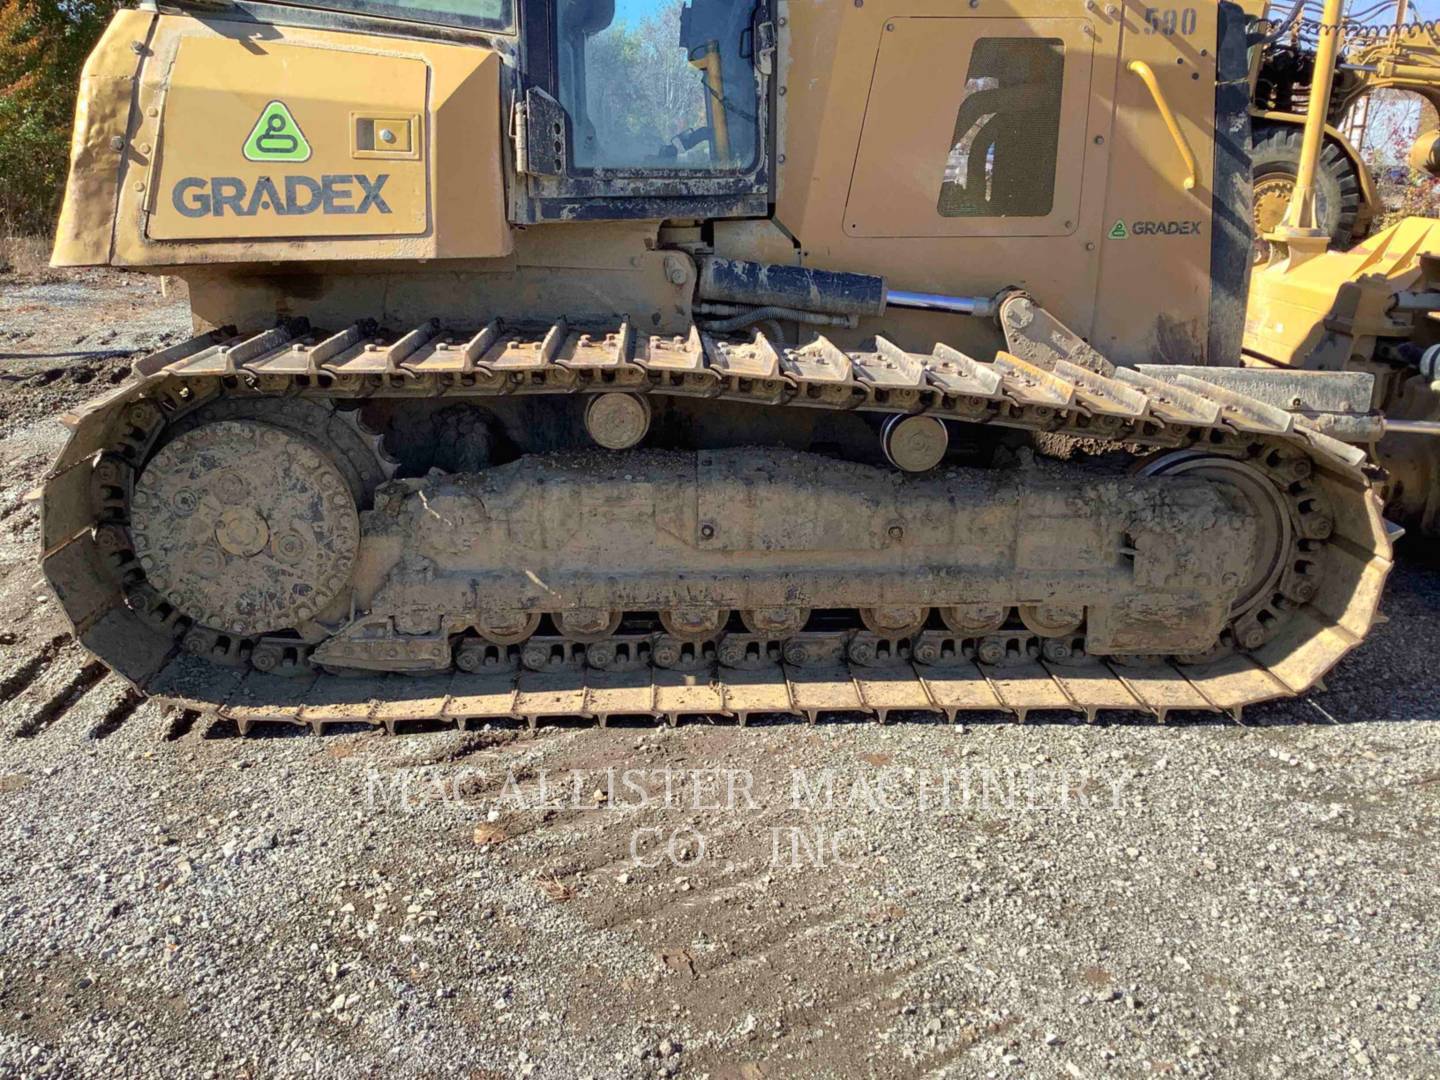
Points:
(288, 143)
(245, 143)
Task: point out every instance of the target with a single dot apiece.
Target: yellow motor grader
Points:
(1389, 51)
(731, 357)
(1370, 311)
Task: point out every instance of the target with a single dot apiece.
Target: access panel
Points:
(973, 127)
(267, 140)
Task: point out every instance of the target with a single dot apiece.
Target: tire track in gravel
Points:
(80, 684)
(181, 724)
(115, 717)
(19, 679)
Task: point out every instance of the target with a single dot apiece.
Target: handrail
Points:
(1147, 76)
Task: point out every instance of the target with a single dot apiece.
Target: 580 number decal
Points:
(1169, 20)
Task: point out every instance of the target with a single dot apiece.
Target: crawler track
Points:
(1320, 607)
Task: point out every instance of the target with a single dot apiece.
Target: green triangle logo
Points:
(276, 136)
(1118, 230)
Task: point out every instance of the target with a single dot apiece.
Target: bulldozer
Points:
(565, 358)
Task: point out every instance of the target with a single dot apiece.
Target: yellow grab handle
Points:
(1147, 76)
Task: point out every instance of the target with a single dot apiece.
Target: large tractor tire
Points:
(1275, 161)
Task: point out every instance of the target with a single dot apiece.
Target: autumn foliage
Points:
(43, 45)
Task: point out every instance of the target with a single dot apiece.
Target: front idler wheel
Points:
(245, 527)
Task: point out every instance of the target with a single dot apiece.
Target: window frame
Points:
(382, 10)
(607, 193)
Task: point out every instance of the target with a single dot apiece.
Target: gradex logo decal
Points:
(288, 196)
(276, 136)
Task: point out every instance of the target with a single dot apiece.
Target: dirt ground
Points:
(992, 900)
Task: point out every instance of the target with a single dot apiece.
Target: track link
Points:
(1322, 605)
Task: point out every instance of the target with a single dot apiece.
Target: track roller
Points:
(588, 625)
(894, 622)
(974, 618)
(1052, 620)
(914, 443)
(694, 623)
(777, 622)
(508, 628)
(617, 421)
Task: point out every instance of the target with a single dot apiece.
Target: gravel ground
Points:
(1047, 900)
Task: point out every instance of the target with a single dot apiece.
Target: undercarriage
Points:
(497, 522)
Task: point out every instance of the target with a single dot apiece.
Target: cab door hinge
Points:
(538, 128)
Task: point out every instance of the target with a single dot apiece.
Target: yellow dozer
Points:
(565, 358)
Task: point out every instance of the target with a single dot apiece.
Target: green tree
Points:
(43, 45)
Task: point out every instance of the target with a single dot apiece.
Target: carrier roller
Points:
(227, 533)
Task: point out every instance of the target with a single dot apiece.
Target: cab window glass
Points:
(496, 15)
(658, 84)
(1007, 131)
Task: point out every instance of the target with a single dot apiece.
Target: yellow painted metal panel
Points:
(212, 179)
(102, 118)
(919, 83)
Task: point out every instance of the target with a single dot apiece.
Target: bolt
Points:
(1252, 637)
(862, 652)
(797, 653)
(1304, 590)
(265, 659)
(137, 47)
(896, 532)
(117, 143)
(991, 651)
(1099, 140)
(676, 271)
(535, 657)
(928, 653)
(666, 654)
(707, 531)
(601, 654)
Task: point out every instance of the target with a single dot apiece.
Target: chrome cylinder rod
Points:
(980, 306)
(1412, 427)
